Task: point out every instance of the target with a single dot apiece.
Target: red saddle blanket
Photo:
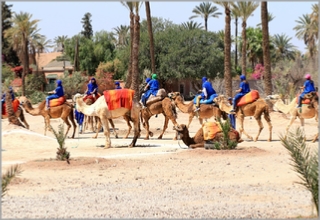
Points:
(15, 105)
(304, 101)
(57, 102)
(91, 97)
(210, 129)
(251, 96)
(119, 98)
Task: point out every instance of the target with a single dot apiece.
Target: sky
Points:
(64, 18)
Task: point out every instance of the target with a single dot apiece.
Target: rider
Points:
(207, 91)
(232, 117)
(244, 89)
(79, 116)
(307, 87)
(92, 88)
(152, 87)
(3, 98)
(57, 93)
(117, 85)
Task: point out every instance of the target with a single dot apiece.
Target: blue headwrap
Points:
(117, 83)
(204, 79)
(243, 77)
(147, 80)
(59, 82)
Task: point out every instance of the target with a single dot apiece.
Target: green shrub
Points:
(13, 172)
(62, 153)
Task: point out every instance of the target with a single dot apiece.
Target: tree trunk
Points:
(149, 21)
(135, 60)
(129, 77)
(206, 24)
(266, 49)
(244, 48)
(25, 64)
(236, 42)
(76, 56)
(227, 54)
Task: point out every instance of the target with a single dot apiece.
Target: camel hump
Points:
(57, 102)
(161, 94)
(250, 97)
(306, 98)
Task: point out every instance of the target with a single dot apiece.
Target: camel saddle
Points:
(57, 102)
(119, 98)
(161, 94)
(210, 129)
(250, 97)
(206, 101)
(93, 99)
(15, 105)
(307, 98)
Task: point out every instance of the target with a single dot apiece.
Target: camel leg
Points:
(136, 124)
(106, 131)
(260, 128)
(74, 125)
(65, 119)
(241, 129)
(196, 145)
(127, 119)
(113, 128)
(146, 126)
(23, 119)
(165, 126)
(292, 118)
(315, 138)
(267, 118)
(302, 127)
(99, 126)
(190, 119)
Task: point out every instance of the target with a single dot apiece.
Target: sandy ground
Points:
(155, 179)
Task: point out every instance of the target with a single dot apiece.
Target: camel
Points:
(64, 111)
(198, 140)
(100, 108)
(307, 111)
(255, 109)
(19, 115)
(206, 110)
(155, 107)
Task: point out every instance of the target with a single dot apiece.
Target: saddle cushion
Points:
(91, 97)
(161, 94)
(210, 129)
(15, 105)
(304, 101)
(57, 102)
(250, 97)
(207, 101)
(119, 98)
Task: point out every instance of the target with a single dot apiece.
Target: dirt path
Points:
(156, 179)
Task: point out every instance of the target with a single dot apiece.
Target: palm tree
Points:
(59, 41)
(150, 31)
(236, 17)
(19, 35)
(244, 10)
(227, 48)
(283, 49)
(122, 33)
(269, 18)
(266, 50)
(308, 31)
(191, 25)
(315, 18)
(205, 10)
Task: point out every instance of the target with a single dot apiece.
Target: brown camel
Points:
(19, 115)
(206, 110)
(307, 111)
(100, 108)
(12, 116)
(198, 140)
(255, 109)
(64, 111)
(155, 107)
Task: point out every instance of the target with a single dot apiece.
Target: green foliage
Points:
(13, 172)
(62, 153)
(305, 162)
(7, 73)
(87, 27)
(73, 83)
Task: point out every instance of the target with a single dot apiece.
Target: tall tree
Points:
(19, 35)
(266, 48)
(87, 28)
(205, 10)
(150, 31)
(227, 48)
(191, 25)
(283, 49)
(59, 41)
(236, 18)
(130, 6)
(270, 18)
(122, 35)
(244, 10)
(8, 54)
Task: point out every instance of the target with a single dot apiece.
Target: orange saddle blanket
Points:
(15, 105)
(210, 129)
(119, 98)
(251, 96)
(57, 102)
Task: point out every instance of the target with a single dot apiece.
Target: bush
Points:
(62, 153)
(73, 83)
(7, 73)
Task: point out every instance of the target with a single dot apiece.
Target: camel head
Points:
(273, 97)
(180, 128)
(24, 100)
(173, 95)
(77, 96)
(221, 99)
